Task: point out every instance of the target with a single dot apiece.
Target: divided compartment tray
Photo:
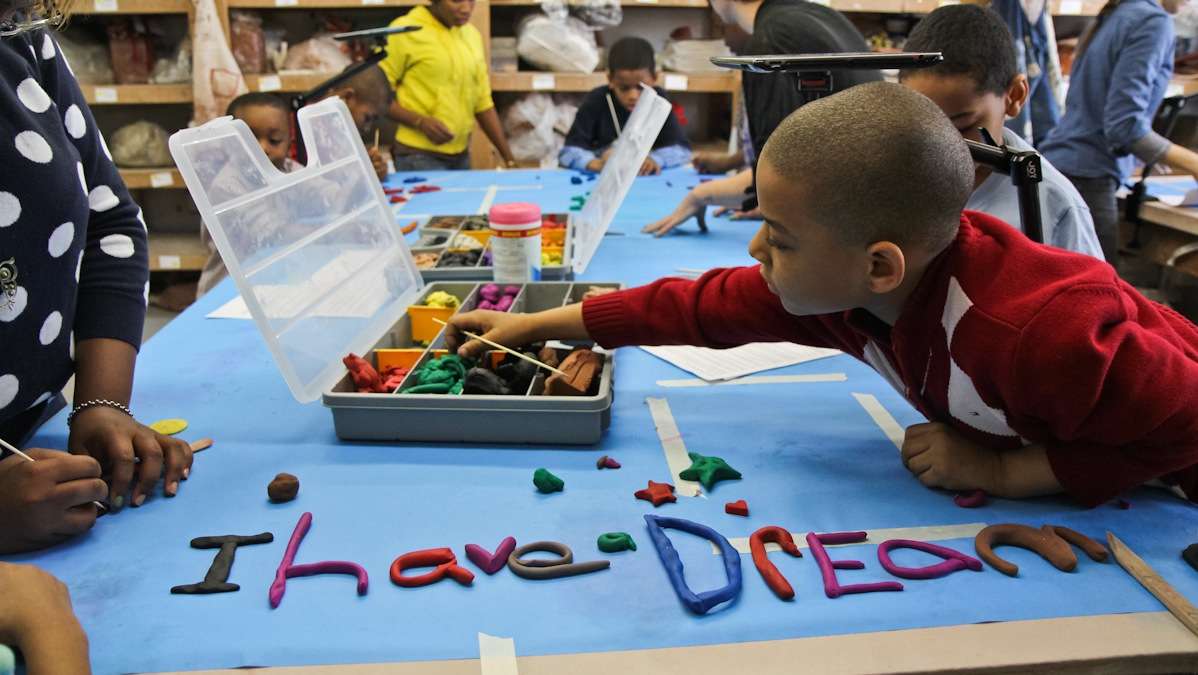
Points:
(474, 418)
(451, 227)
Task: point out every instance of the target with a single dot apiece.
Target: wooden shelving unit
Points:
(131, 7)
(173, 252)
(136, 94)
(702, 83)
(318, 4)
(152, 179)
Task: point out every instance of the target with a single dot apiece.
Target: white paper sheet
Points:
(726, 364)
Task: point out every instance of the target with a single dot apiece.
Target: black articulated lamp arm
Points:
(814, 77)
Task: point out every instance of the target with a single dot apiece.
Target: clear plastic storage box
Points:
(325, 272)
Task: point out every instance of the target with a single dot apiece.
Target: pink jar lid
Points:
(516, 213)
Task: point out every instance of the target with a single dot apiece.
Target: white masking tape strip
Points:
(757, 379)
(875, 537)
(497, 655)
(673, 446)
(882, 417)
(488, 199)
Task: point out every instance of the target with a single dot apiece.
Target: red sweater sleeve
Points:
(723, 308)
(1119, 406)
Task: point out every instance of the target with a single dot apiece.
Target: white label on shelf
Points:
(160, 179)
(269, 83)
(105, 6)
(825, 3)
(946, 3)
(1070, 7)
(676, 82)
(169, 262)
(543, 81)
(286, 3)
(374, 2)
(104, 94)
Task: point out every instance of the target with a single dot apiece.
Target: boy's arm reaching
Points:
(723, 308)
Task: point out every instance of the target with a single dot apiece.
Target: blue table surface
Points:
(812, 459)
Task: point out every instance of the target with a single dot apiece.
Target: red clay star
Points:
(658, 493)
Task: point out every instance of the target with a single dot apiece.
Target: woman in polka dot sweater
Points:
(73, 288)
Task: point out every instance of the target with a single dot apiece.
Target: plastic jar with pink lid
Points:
(516, 242)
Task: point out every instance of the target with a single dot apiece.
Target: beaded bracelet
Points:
(96, 402)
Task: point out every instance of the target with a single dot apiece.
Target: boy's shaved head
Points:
(876, 162)
(372, 85)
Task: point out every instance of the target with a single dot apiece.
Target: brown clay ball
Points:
(283, 488)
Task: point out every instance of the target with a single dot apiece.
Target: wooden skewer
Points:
(376, 139)
(513, 352)
(1181, 608)
(18, 453)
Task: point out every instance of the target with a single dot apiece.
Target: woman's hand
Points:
(131, 454)
(47, 501)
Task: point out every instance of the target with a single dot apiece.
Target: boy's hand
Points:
(376, 159)
(36, 617)
(115, 439)
(691, 206)
(46, 501)
(709, 162)
(435, 129)
(649, 167)
(508, 329)
(940, 457)
(596, 165)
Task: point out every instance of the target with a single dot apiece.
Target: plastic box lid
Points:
(628, 153)
(315, 253)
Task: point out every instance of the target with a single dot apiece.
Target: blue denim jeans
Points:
(419, 161)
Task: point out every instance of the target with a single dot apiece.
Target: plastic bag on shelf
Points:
(88, 58)
(596, 14)
(321, 53)
(529, 124)
(140, 144)
(248, 41)
(176, 68)
(217, 79)
(559, 46)
(131, 51)
(692, 56)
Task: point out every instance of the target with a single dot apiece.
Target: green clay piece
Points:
(444, 375)
(708, 470)
(614, 542)
(547, 482)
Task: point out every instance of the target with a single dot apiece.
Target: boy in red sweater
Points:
(1040, 369)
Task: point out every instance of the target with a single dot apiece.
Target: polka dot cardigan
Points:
(73, 257)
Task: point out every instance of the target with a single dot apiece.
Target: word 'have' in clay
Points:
(491, 562)
(541, 568)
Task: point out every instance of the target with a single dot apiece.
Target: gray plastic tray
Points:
(528, 418)
(436, 227)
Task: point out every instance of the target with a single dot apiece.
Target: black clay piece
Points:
(483, 381)
(459, 259)
(518, 373)
(216, 581)
(1191, 555)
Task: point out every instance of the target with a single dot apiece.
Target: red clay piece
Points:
(443, 562)
(971, 500)
(737, 508)
(1051, 547)
(365, 377)
(393, 190)
(420, 189)
(769, 573)
(658, 493)
(491, 562)
(606, 462)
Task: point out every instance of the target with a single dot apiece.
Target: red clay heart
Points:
(491, 562)
(737, 508)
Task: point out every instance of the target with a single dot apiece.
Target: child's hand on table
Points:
(377, 161)
(36, 617)
(649, 167)
(46, 501)
(940, 457)
(693, 205)
(116, 439)
(513, 330)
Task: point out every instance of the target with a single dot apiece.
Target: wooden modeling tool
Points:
(513, 352)
(376, 139)
(103, 508)
(1181, 608)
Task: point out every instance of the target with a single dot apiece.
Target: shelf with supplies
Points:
(317, 4)
(152, 179)
(147, 94)
(294, 81)
(1056, 7)
(131, 7)
(176, 251)
(520, 81)
(691, 4)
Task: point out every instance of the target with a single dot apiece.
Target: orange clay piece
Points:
(582, 366)
(548, 356)
(1094, 549)
(1043, 541)
(410, 227)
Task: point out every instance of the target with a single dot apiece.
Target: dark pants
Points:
(1099, 195)
(17, 430)
(419, 161)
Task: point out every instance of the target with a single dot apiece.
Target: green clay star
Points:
(708, 470)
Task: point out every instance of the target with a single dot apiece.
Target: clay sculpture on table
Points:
(289, 570)
(606, 462)
(442, 560)
(1051, 542)
(547, 482)
(582, 368)
(541, 568)
(217, 578)
(954, 561)
(828, 566)
(737, 508)
(708, 470)
(283, 488)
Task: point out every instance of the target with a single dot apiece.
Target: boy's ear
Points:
(1016, 96)
(887, 267)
